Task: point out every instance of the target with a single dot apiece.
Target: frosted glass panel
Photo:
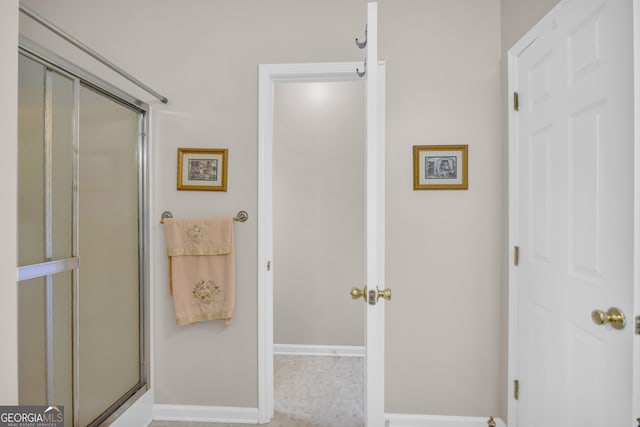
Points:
(30, 162)
(38, 173)
(108, 276)
(32, 343)
(62, 98)
(63, 343)
(33, 164)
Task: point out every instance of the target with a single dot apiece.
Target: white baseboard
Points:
(319, 350)
(239, 415)
(212, 414)
(404, 420)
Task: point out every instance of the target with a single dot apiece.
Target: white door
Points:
(572, 218)
(375, 209)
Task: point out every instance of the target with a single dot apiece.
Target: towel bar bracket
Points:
(242, 216)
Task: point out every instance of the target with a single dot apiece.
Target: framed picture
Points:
(440, 167)
(202, 169)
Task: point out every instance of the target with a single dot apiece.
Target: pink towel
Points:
(201, 268)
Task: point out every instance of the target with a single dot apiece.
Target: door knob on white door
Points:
(385, 294)
(357, 293)
(614, 316)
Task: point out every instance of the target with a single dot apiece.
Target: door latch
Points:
(638, 333)
(372, 297)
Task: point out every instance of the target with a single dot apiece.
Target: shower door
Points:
(80, 245)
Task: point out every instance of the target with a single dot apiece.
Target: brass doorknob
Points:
(614, 316)
(357, 293)
(385, 293)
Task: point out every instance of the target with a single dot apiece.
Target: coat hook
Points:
(364, 71)
(363, 44)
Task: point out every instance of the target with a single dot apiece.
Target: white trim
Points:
(240, 415)
(268, 75)
(512, 62)
(635, 394)
(138, 414)
(213, 414)
(319, 350)
(405, 420)
(512, 364)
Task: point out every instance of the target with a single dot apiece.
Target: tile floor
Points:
(310, 391)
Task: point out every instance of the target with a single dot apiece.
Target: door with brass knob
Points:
(573, 216)
(614, 316)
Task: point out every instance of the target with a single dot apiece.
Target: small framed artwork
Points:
(203, 169)
(440, 167)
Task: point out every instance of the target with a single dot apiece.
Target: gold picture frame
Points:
(202, 169)
(440, 167)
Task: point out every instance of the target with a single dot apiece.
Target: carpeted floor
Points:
(310, 391)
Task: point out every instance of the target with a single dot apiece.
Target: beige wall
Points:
(318, 209)
(8, 193)
(518, 16)
(446, 341)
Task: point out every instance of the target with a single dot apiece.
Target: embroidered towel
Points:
(201, 268)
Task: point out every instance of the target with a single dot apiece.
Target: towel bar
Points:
(242, 216)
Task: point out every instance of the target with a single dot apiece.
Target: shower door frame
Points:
(80, 77)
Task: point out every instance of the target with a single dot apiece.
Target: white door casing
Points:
(269, 74)
(636, 235)
(572, 216)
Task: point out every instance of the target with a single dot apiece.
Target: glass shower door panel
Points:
(31, 177)
(63, 343)
(45, 166)
(109, 324)
(32, 343)
(45, 222)
(32, 370)
(61, 165)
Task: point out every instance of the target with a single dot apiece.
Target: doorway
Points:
(81, 243)
(270, 75)
(319, 250)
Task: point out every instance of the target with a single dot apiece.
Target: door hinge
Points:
(516, 389)
(516, 101)
(516, 255)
